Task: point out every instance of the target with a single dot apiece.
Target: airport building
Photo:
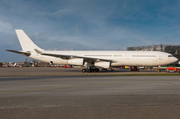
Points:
(173, 49)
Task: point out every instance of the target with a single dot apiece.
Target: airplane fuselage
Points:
(120, 58)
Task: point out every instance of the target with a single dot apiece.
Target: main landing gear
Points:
(90, 69)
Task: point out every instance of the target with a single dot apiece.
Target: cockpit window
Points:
(170, 55)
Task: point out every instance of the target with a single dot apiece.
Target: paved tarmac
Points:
(90, 97)
(52, 71)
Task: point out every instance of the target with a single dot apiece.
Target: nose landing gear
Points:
(134, 68)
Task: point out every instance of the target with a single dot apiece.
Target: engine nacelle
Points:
(103, 64)
(75, 62)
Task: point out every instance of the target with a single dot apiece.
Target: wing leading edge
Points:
(88, 59)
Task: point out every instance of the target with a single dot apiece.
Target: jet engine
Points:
(103, 64)
(75, 62)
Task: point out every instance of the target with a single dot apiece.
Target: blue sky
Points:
(88, 24)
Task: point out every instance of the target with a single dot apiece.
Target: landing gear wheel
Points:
(83, 70)
(103, 69)
(92, 70)
(96, 70)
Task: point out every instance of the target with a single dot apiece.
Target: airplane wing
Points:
(88, 59)
(20, 52)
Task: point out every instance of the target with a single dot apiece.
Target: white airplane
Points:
(92, 60)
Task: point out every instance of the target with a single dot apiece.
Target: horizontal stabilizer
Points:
(20, 52)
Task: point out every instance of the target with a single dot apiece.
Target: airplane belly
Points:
(116, 64)
(139, 62)
(49, 59)
(150, 62)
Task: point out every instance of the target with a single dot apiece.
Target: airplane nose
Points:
(174, 59)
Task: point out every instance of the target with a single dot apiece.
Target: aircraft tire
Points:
(104, 69)
(96, 70)
(83, 70)
(89, 70)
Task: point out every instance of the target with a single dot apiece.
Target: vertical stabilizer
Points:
(26, 43)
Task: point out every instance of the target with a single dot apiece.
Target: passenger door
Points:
(127, 56)
(160, 57)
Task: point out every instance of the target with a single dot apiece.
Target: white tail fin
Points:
(26, 43)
